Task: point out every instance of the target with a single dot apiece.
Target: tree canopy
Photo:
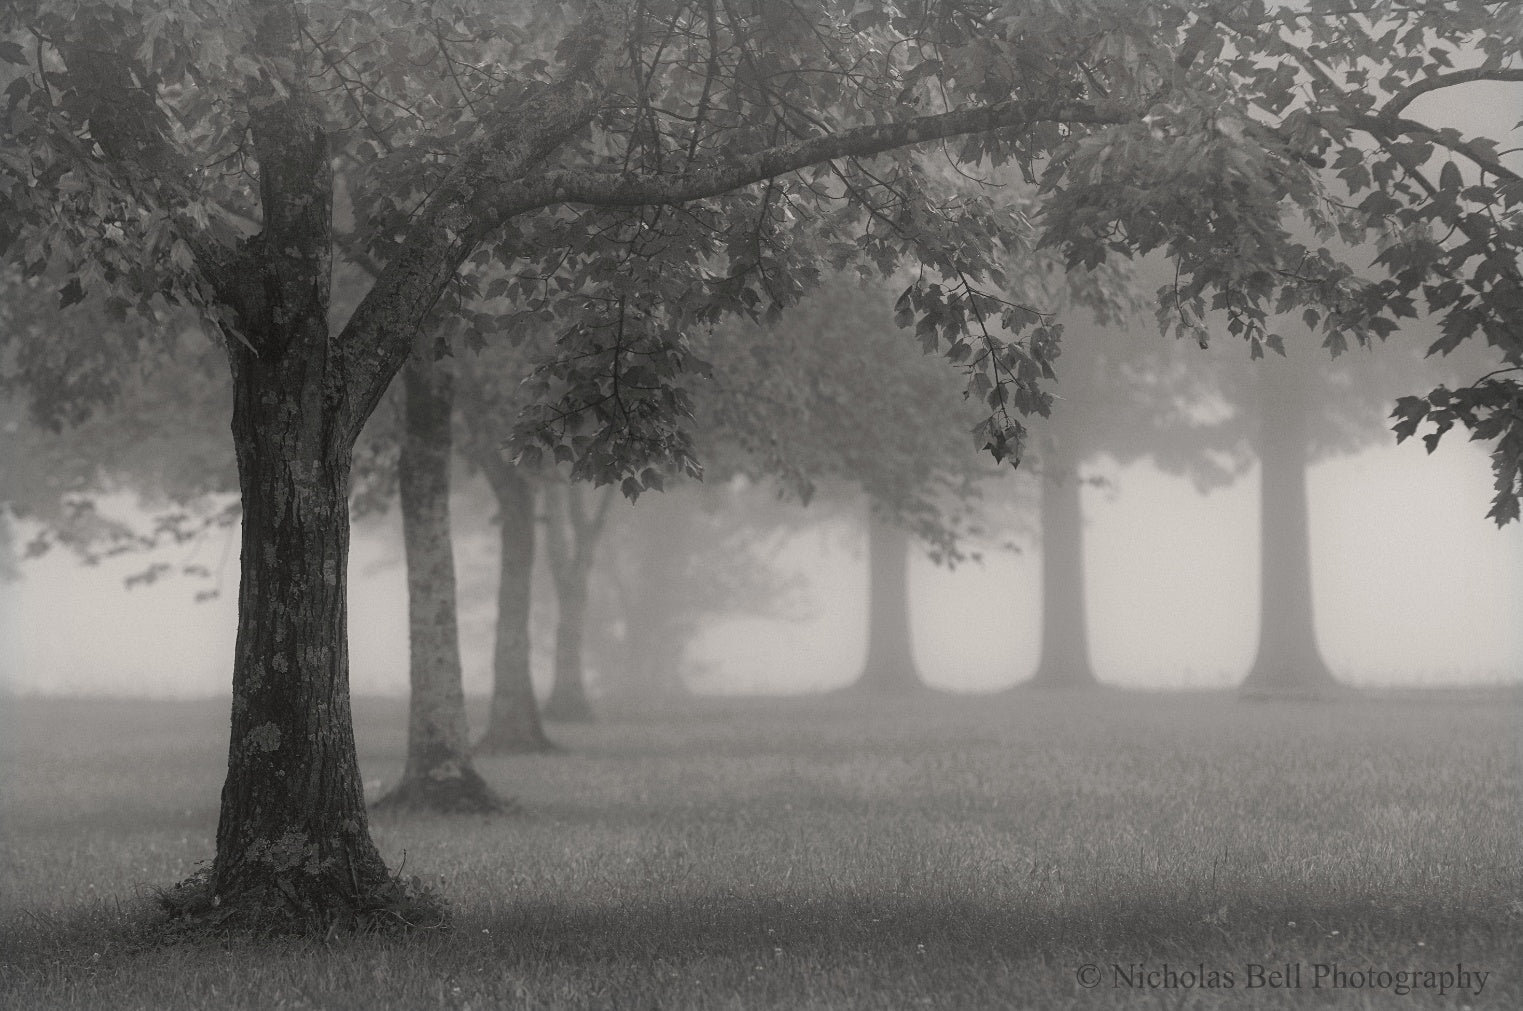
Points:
(688, 160)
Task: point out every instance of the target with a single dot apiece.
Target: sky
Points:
(1412, 586)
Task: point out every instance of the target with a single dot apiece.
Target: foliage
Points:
(1492, 409)
(149, 423)
(830, 393)
(1291, 91)
(708, 160)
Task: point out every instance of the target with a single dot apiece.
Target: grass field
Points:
(944, 852)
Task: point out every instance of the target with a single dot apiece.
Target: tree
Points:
(513, 722)
(672, 564)
(682, 162)
(1287, 660)
(1123, 396)
(800, 413)
(573, 527)
(1298, 410)
(489, 402)
(438, 774)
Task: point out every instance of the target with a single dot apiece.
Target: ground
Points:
(938, 852)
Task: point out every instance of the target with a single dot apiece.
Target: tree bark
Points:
(889, 668)
(438, 775)
(1064, 660)
(513, 725)
(1287, 662)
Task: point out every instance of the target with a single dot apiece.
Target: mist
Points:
(1412, 587)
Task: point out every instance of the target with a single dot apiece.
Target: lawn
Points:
(937, 852)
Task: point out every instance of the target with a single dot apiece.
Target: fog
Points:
(1412, 586)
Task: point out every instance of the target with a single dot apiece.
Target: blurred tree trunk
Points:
(438, 774)
(513, 724)
(1288, 662)
(656, 631)
(571, 543)
(890, 665)
(1064, 660)
(9, 570)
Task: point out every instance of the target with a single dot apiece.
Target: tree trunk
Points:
(293, 847)
(655, 647)
(294, 851)
(890, 665)
(568, 696)
(438, 775)
(1064, 661)
(571, 539)
(1288, 662)
(655, 551)
(514, 724)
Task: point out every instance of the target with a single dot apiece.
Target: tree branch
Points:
(458, 215)
(716, 175)
(1405, 96)
(1391, 127)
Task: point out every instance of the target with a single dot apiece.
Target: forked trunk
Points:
(1064, 660)
(438, 775)
(1287, 662)
(568, 696)
(890, 664)
(513, 724)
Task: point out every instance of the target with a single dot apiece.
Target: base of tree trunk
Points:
(461, 792)
(298, 903)
(877, 683)
(1310, 683)
(567, 710)
(1061, 679)
(512, 742)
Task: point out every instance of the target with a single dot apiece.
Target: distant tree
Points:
(1126, 396)
(489, 405)
(681, 163)
(798, 407)
(1298, 410)
(672, 564)
(513, 721)
(438, 774)
(573, 528)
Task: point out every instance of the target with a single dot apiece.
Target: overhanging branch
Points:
(714, 176)
(1411, 92)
